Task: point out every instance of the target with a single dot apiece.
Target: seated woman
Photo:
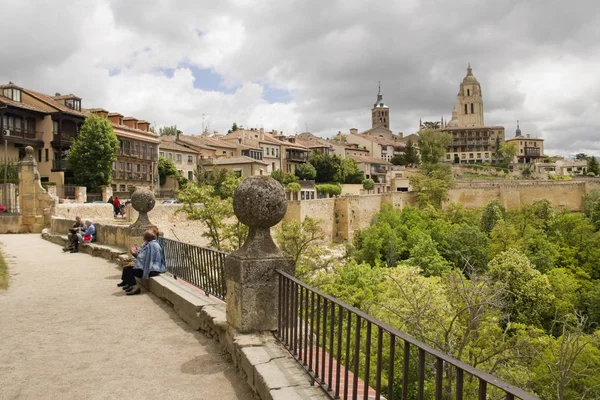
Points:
(87, 236)
(149, 262)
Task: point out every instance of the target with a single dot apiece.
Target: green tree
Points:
(348, 172)
(593, 165)
(508, 151)
(591, 207)
(297, 238)
(368, 185)
(167, 130)
(289, 178)
(411, 154)
(278, 175)
(327, 167)
(432, 183)
(492, 213)
(526, 292)
(293, 187)
(202, 203)
(398, 159)
(306, 172)
(432, 145)
(234, 128)
(93, 152)
(166, 167)
(581, 156)
(431, 125)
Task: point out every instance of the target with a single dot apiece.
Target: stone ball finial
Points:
(29, 151)
(142, 200)
(259, 202)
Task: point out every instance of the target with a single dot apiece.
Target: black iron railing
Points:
(199, 266)
(352, 355)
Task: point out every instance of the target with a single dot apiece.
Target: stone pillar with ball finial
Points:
(143, 201)
(259, 202)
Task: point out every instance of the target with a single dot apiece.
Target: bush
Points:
(294, 187)
(368, 184)
(332, 189)
(591, 174)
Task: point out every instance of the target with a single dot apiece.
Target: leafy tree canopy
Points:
(93, 152)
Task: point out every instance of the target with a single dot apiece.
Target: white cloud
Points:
(536, 61)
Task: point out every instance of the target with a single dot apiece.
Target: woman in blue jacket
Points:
(149, 262)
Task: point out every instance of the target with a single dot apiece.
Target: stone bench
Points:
(110, 253)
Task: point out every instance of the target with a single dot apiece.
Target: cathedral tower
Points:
(469, 102)
(380, 113)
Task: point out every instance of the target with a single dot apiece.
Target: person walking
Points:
(116, 206)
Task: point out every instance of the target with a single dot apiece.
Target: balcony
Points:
(60, 165)
(25, 136)
(296, 156)
(378, 170)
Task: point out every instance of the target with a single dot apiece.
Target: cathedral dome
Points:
(452, 124)
(470, 78)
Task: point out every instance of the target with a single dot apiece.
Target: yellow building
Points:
(472, 141)
(529, 149)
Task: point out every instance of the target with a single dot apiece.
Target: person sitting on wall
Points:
(71, 236)
(149, 262)
(87, 236)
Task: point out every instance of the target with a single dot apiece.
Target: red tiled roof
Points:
(12, 103)
(234, 160)
(168, 145)
(371, 160)
(49, 100)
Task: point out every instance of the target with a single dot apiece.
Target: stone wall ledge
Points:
(94, 249)
(269, 369)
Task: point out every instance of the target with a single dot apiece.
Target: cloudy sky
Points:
(297, 65)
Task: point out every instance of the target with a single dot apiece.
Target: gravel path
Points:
(68, 332)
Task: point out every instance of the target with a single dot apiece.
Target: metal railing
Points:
(352, 355)
(199, 266)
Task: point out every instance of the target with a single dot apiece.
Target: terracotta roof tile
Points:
(167, 145)
(371, 160)
(49, 100)
(10, 102)
(234, 160)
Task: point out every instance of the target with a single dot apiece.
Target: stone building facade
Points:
(472, 141)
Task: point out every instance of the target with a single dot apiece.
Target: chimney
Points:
(130, 122)
(400, 135)
(115, 118)
(143, 125)
(353, 131)
(100, 112)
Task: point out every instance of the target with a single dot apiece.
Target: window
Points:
(18, 124)
(472, 108)
(46, 155)
(73, 104)
(136, 149)
(237, 173)
(170, 157)
(190, 159)
(487, 155)
(152, 153)
(162, 154)
(468, 92)
(123, 188)
(447, 156)
(144, 152)
(121, 166)
(178, 157)
(12, 93)
(466, 109)
(190, 175)
(470, 155)
(268, 151)
(478, 155)
(129, 166)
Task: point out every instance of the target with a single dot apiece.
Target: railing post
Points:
(252, 284)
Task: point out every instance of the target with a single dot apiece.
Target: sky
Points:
(307, 65)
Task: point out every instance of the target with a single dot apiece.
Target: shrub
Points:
(332, 189)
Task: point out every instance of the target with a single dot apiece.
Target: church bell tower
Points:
(380, 113)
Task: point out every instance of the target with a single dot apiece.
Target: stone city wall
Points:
(341, 217)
